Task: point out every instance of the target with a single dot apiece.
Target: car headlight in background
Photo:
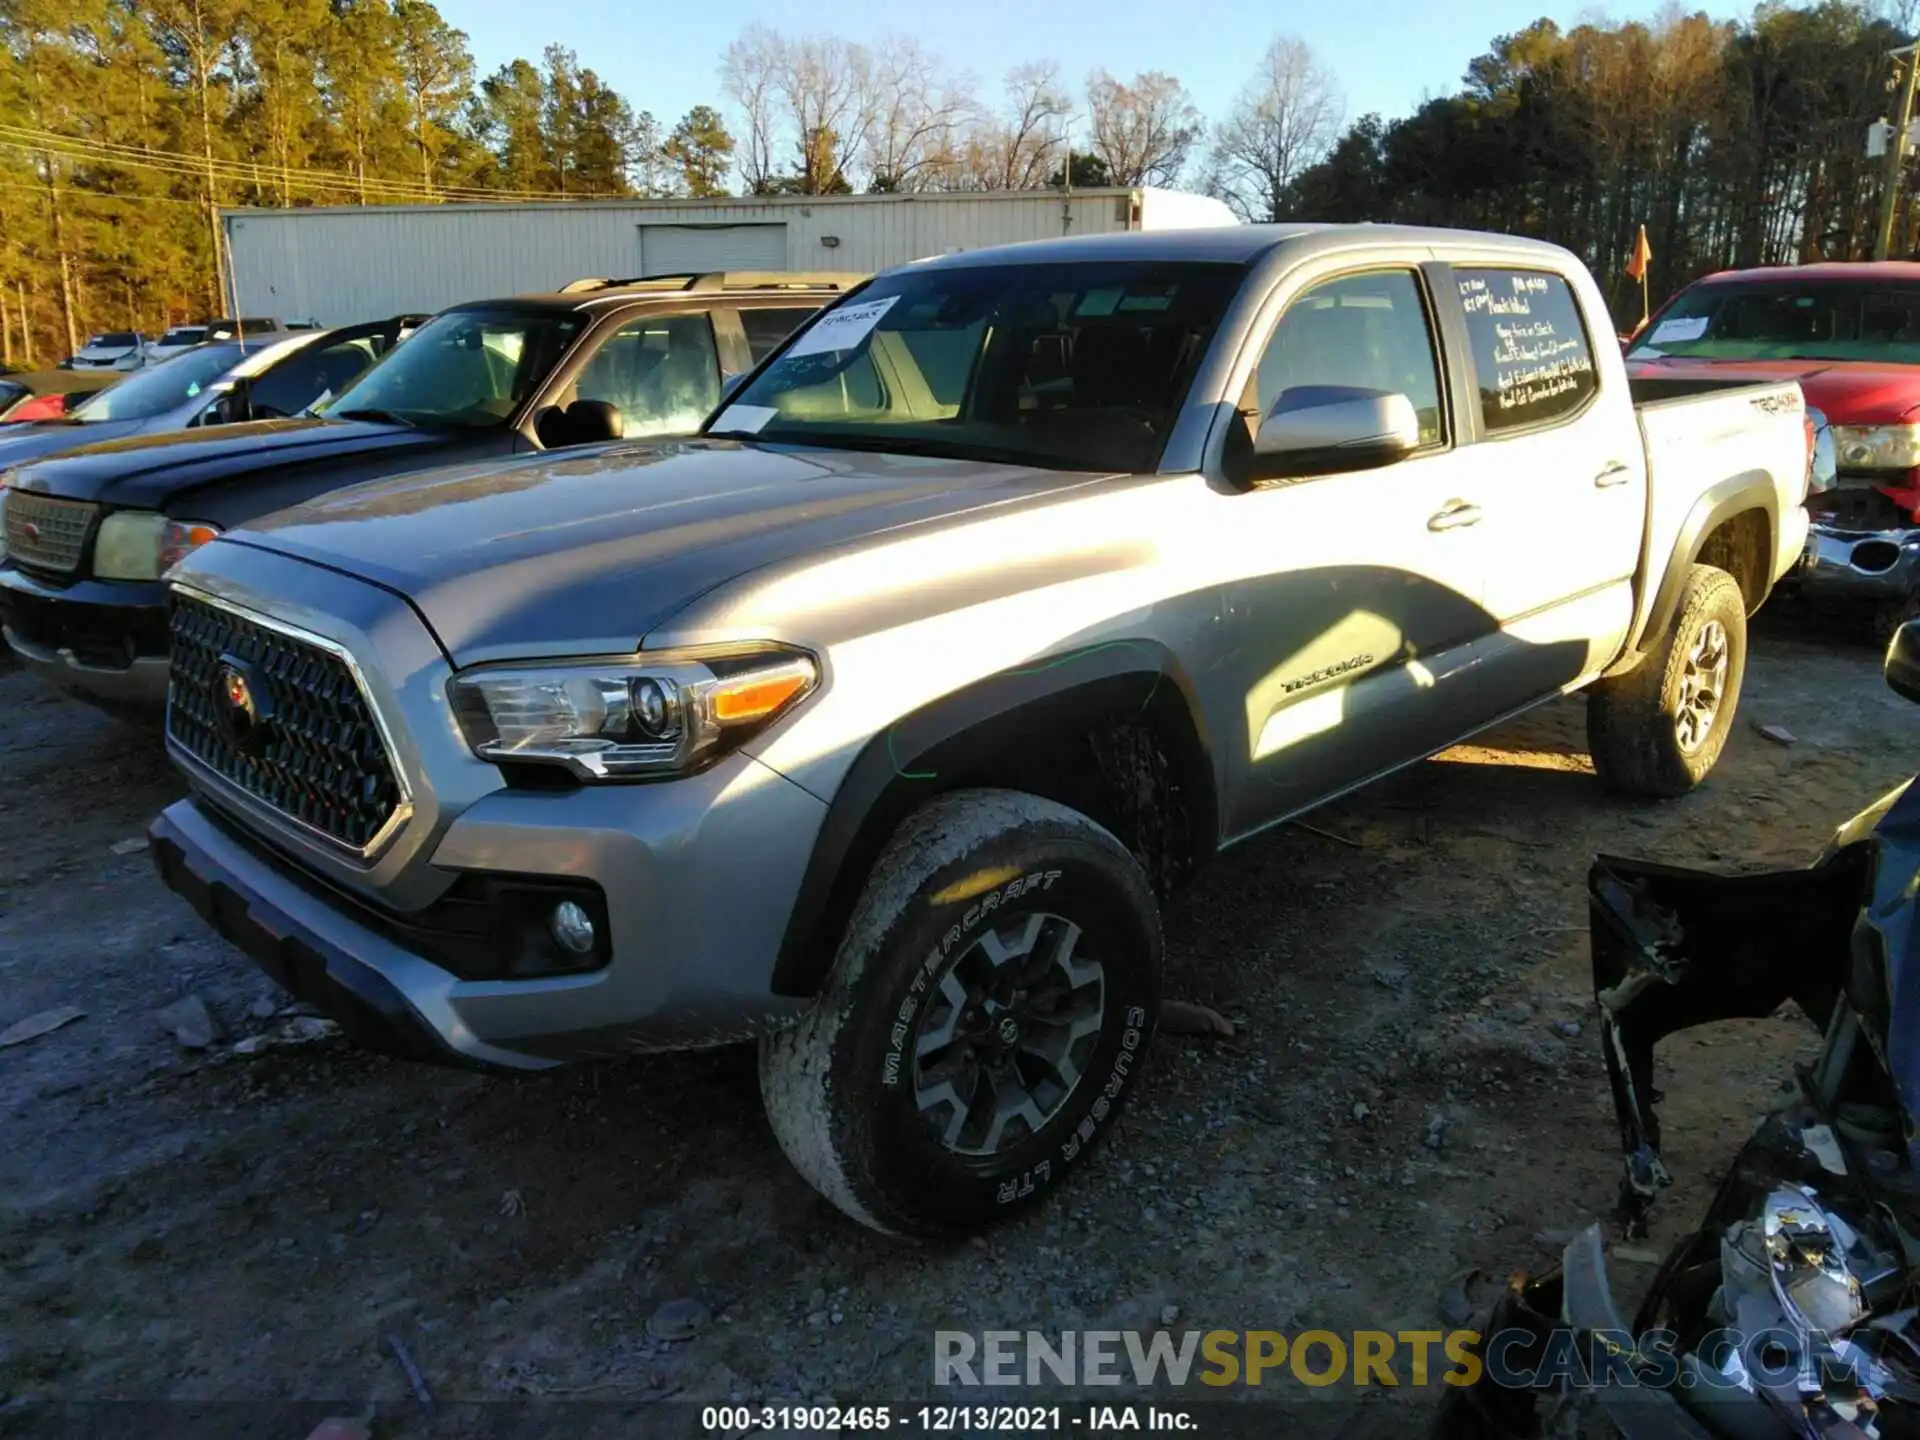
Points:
(143, 545)
(1877, 447)
(666, 714)
(1823, 463)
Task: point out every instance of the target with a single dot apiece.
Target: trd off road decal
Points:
(937, 957)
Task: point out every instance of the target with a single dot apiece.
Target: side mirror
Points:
(582, 423)
(228, 407)
(1903, 661)
(1326, 429)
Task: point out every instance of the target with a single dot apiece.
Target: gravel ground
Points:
(1413, 1091)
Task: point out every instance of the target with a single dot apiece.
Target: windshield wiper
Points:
(379, 417)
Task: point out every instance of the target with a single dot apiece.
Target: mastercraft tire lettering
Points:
(988, 1013)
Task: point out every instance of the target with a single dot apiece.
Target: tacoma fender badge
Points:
(1300, 682)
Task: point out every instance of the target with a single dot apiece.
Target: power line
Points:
(261, 176)
(246, 172)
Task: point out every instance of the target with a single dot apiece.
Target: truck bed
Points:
(1649, 391)
(1696, 430)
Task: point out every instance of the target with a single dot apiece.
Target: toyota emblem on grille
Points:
(30, 530)
(240, 704)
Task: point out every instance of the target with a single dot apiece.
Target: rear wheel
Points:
(987, 1013)
(1659, 729)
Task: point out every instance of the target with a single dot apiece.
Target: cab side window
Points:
(1366, 332)
(662, 373)
(1531, 355)
(314, 373)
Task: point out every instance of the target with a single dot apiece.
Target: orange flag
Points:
(1642, 257)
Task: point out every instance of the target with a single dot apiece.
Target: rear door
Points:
(1560, 476)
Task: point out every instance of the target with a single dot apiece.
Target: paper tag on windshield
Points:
(1669, 332)
(841, 329)
(747, 419)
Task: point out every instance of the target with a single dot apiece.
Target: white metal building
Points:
(340, 265)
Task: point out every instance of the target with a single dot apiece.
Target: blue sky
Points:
(1388, 54)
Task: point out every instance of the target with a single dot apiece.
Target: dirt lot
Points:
(1399, 1105)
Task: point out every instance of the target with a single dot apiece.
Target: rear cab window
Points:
(1532, 356)
(766, 328)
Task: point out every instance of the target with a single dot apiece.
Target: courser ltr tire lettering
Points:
(1631, 717)
(839, 1087)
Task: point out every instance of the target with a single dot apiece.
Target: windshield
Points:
(1789, 320)
(114, 341)
(1079, 367)
(469, 368)
(159, 388)
(184, 335)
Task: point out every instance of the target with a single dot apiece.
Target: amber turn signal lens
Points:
(754, 697)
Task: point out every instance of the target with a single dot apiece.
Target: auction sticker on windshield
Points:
(841, 329)
(748, 419)
(1679, 330)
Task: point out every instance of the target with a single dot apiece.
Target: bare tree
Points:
(1142, 132)
(1285, 119)
(1020, 147)
(918, 112)
(751, 74)
(827, 85)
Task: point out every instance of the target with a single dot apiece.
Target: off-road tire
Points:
(839, 1087)
(1631, 718)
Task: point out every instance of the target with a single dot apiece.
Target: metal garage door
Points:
(682, 249)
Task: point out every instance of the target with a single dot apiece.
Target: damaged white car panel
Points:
(1790, 1310)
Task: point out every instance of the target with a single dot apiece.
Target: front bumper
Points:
(104, 641)
(1860, 565)
(698, 875)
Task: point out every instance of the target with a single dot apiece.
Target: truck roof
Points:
(1234, 244)
(1824, 270)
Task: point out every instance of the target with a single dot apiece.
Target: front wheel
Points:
(1659, 729)
(986, 1018)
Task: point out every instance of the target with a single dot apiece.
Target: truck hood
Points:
(1848, 392)
(585, 554)
(21, 443)
(146, 471)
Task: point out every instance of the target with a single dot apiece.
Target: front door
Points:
(1354, 611)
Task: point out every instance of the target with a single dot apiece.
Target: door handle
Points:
(1453, 515)
(1614, 474)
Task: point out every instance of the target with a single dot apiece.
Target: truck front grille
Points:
(280, 718)
(44, 533)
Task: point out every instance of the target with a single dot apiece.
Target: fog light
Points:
(572, 928)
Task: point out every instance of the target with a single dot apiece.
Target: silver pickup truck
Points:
(875, 723)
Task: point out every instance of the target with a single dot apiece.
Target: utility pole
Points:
(1896, 150)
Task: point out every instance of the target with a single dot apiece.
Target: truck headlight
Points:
(1877, 447)
(665, 714)
(143, 545)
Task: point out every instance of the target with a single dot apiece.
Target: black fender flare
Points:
(947, 744)
(1735, 495)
